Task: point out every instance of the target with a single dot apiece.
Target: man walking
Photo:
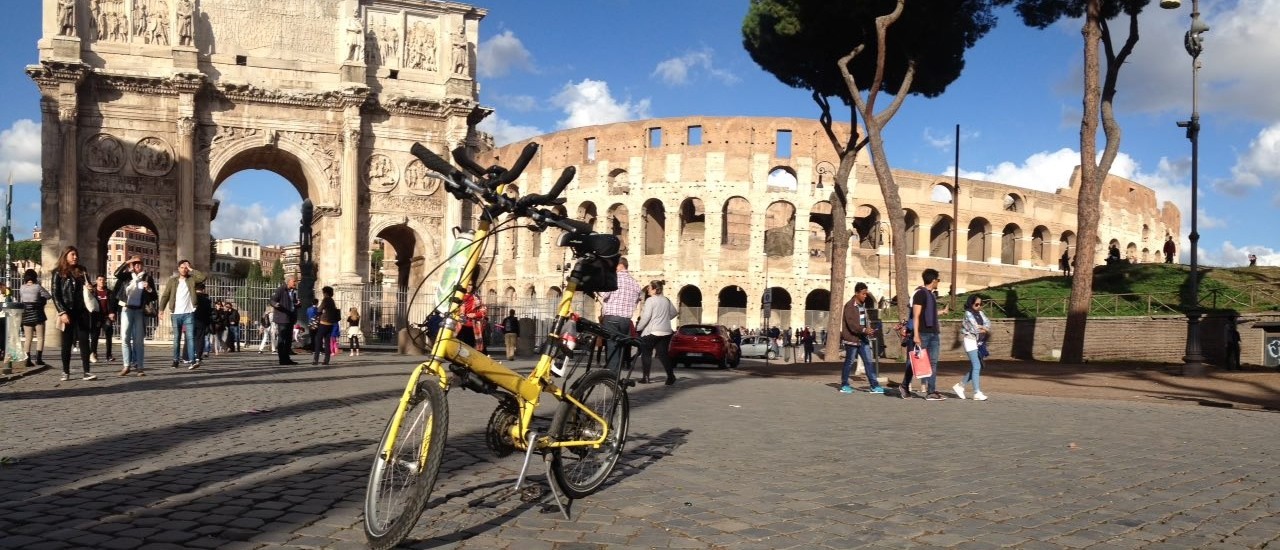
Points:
(926, 334)
(510, 333)
(616, 311)
(286, 304)
(179, 300)
(1169, 249)
(134, 289)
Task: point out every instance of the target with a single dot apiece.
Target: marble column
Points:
(349, 220)
(185, 239)
(68, 197)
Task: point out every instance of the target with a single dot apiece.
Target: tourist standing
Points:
(925, 333)
(327, 316)
(655, 331)
(855, 335)
(1169, 249)
(134, 291)
(616, 311)
(73, 300)
(179, 301)
(268, 332)
(353, 331)
(807, 340)
(472, 317)
(104, 320)
(510, 333)
(233, 327)
(205, 315)
(285, 306)
(973, 332)
(33, 298)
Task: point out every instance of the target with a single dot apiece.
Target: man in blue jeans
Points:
(617, 309)
(856, 338)
(179, 300)
(926, 334)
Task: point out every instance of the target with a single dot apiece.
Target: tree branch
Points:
(885, 116)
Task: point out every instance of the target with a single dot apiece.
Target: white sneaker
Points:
(88, 376)
(66, 377)
(959, 389)
(979, 396)
(93, 358)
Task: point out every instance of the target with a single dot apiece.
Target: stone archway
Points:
(153, 123)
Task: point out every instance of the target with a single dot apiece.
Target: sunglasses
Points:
(977, 304)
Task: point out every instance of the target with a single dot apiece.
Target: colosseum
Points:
(725, 208)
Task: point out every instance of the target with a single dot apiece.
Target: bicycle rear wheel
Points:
(398, 486)
(579, 471)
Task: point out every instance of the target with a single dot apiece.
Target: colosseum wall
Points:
(723, 208)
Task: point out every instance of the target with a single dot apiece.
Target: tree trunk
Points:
(839, 255)
(897, 216)
(1089, 194)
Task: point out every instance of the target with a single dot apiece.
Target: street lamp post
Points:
(1193, 361)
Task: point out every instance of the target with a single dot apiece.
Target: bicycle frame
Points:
(527, 390)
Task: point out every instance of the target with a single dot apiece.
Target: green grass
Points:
(1140, 290)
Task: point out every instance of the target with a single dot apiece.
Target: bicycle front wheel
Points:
(579, 471)
(400, 484)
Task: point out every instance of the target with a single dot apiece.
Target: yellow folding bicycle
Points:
(586, 434)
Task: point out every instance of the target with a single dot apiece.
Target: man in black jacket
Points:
(285, 303)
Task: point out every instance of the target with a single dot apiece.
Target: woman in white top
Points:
(974, 332)
(655, 331)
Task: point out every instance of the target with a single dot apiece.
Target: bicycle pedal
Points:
(532, 493)
(627, 382)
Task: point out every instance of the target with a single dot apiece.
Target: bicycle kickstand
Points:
(564, 503)
(555, 493)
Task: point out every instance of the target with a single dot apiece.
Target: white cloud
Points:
(504, 132)
(255, 222)
(502, 54)
(1260, 162)
(589, 103)
(20, 152)
(676, 71)
(1230, 255)
(519, 103)
(1241, 39)
(1044, 171)
(946, 141)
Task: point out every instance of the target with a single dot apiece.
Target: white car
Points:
(757, 346)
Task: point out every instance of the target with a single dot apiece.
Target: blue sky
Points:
(547, 66)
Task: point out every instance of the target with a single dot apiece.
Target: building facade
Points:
(724, 209)
(135, 240)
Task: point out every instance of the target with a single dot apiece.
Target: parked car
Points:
(757, 346)
(704, 344)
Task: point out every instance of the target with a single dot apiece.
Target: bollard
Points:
(12, 320)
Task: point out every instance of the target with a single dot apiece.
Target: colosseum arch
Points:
(654, 216)
(618, 223)
(689, 305)
(780, 230)
(942, 192)
(113, 220)
(780, 310)
(587, 213)
(735, 228)
(819, 235)
(619, 182)
(1131, 252)
(940, 235)
(866, 224)
(912, 233)
(731, 307)
(153, 127)
(817, 306)
(976, 245)
(693, 229)
(1067, 242)
(1041, 254)
(1010, 238)
(782, 178)
(1013, 202)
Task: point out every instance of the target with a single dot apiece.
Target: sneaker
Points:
(903, 391)
(846, 389)
(175, 364)
(93, 358)
(66, 377)
(88, 376)
(194, 365)
(125, 371)
(979, 396)
(935, 396)
(959, 390)
(876, 389)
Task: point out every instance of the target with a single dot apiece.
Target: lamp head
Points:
(1198, 25)
(1171, 4)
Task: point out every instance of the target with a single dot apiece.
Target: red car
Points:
(704, 344)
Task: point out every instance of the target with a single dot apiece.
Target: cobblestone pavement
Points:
(245, 454)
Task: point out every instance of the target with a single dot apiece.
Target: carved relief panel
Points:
(384, 37)
(291, 29)
(104, 154)
(380, 173)
(420, 181)
(152, 156)
(421, 43)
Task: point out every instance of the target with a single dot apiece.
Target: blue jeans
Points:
(851, 354)
(184, 322)
(975, 370)
(133, 329)
(613, 351)
(932, 343)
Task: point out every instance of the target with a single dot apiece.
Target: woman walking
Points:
(327, 313)
(974, 332)
(353, 331)
(655, 331)
(71, 287)
(268, 331)
(33, 298)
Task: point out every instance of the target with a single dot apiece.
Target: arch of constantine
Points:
(149, 105)
(725, 208)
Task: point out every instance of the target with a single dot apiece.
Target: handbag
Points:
(920, 366)
(90, 300)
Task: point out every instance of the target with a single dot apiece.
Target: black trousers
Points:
(284, 341)
(201, 335)
(77, 331)
(320, 343)
(101, 325)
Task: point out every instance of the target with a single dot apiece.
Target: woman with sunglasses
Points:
(974, 332)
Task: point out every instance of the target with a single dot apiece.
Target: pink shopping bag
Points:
(920, 366)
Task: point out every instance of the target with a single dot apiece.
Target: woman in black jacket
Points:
(329, 316)
(70, 282)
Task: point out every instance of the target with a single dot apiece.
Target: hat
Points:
(135, 259)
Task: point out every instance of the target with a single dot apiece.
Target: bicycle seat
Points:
(601, 245)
